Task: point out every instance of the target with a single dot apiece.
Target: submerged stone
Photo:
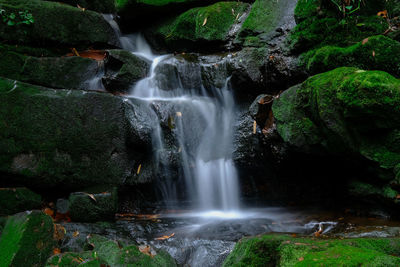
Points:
(13, 200)
(282, 250)
(27, 239)
(55, 24)
(96, 204)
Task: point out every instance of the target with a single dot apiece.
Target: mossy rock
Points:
(373, 53)
(27, 239)
(347, 112)
(92, 205)
(123, 70)
(316, 32)
(56, 24)
(202, 28)
(54, 72)
(13, 200)
(282, 250)
(264, 18)
(69, 138)
(112, 253)
(101, 6)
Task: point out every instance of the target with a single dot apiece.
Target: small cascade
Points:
(195, 114)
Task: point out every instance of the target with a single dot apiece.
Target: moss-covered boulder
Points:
(123, 69)
(27, 239)
(113, 253)
(282, 250)
(348, 112)
(202, 28)
(101, 6)
(373, 53)
(55, 24)
(13, 200)
(69, 138)
(96, 204)
(54, 72)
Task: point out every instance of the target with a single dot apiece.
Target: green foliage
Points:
(12, 19)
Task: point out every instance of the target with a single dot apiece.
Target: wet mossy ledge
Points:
(283, 250)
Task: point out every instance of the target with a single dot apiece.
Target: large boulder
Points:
(202, 28)
(283, 250)
(27, 239)
(54, 72)
(69, 137)
(13, 200)
(349, 113)
(55, 24)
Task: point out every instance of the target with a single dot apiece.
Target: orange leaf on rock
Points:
(49, 212)
(165, 237)
(56, 251)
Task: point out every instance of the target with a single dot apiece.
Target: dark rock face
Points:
(122, 70)
(71, 138)
(53, 72)
(58, 24)
(27, 239)
(101, 6)
(13, 200)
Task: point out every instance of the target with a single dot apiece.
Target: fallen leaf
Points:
(254, 127)
(138, 169)
(91, 196)
(373, 53)
(237, 16)
(383, 14)
(179, 114)
(75, 52)
(81, 8)
(233, 12)
(49, 212)
(56, 251)
(364, 41)
(145, 250)
(301, 259)
(398, 197)
(75, 234)
(165, 237)
(59, 232)
(204, 22)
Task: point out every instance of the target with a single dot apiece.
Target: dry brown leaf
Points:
(364, 41)
(383, 14)
(301, 259)
(49, 212)
(373, 53)
(75, 234)
(59, 232)
(179, 114)
(145, 250)
(254, 127)
(81, 8)
(75, 52)
(56, 251)
(237, 16)
(204, 22)
(165, 237)
(233, 12)
(91, 196)
(138, 169)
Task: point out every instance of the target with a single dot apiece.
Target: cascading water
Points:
(201, 119)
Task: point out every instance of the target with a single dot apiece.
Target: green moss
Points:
(27, 240)
(46, 134)
(58, 24)
(84, 208)
(361, 189)
(188, 28)
(101, 6)
(13, 200)
(306, 9)
(316, 32)
(373, 53)
(112, 253)
(346, 111)
(280, 250)
(123, 3)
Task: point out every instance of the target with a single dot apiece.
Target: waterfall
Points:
(201, 119)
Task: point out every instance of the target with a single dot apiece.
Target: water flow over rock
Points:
(199, 118)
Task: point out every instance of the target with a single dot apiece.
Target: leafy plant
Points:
(11, 18)
(347, 7)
